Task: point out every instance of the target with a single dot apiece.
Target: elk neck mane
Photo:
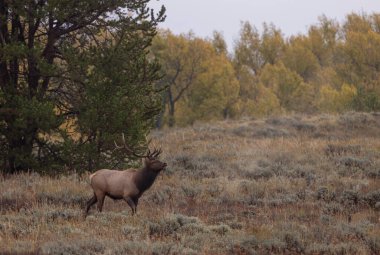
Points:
(144, 178)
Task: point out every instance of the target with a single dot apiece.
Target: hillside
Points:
(295, 185)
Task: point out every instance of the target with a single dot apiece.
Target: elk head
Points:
(152, 162)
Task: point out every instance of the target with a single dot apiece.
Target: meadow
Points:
(283, 185)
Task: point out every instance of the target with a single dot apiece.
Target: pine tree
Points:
(74, 75)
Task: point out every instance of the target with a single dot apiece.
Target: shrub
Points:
(194, 229)
(163, 228)
(198, 166)
(352, 162)
(18, 226)
(353, 120)
(74, 247)
(333, 208)
(221, 229)
(280, 121)
(161, 196)
(349, 197)
(326, 220)
(339, 150)
(170, 225)
(196, 242)
(293, 242)
(242, 131)
(191, 192)
(252, 193)
(247, 245)
(128, 230)
(235, 225)
(214, 190)
(129, 247)
(373, 244)
(13, 201)
(258, 173)
(283, 199)
(166, 248)
(358, 230)
(372, 198)
(184, 220)
(274, 245)
(271, 132)
(323, 193)
(372, 172)
(304, 127)
(62, 197)
(338, 249)
(64, 214)
(19, 248)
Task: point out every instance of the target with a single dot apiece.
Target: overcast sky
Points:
(291, 16)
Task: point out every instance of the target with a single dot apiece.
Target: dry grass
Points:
(293, 185)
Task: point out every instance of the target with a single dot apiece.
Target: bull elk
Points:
(129, 184)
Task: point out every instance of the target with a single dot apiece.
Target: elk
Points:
(128, 184)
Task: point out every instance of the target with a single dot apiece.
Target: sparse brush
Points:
(341, 249)
(352, 162)
(74, 247)
(333, 150)
(164, 227)
(286, 185)
(221, 229)
(271, 132)
(67, 214)
(373, 244)
(247, 245)
(293, 242)
(273, 246)
(65, 197)
(372, 198)
(194, 229)
(353, 120)
(159, 248)
(333, 208)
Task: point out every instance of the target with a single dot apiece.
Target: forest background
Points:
(333, 68)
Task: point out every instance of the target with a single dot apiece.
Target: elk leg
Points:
(90, 203)
(100, 198)
(131, 203)
(136, 200)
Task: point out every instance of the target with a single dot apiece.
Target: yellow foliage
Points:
(266, 103)
(300, 59)
(214, 91)
(332, 100)
(292, 93)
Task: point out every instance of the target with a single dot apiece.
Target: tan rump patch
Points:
(91, 176)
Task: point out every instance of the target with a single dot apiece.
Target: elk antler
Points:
(154, 154)
(128, 149)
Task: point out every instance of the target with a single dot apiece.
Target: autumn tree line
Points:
(333, 68)
(77, 75)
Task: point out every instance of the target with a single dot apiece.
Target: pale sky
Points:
(291, 16)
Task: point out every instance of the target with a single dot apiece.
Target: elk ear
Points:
(146, 161)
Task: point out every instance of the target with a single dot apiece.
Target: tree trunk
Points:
(171, 116)
(20, 149)
(160, 117)
(171, 102)
(225, 113)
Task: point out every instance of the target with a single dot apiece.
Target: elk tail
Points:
(92, 176)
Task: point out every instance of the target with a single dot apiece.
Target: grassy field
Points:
(286, 185)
